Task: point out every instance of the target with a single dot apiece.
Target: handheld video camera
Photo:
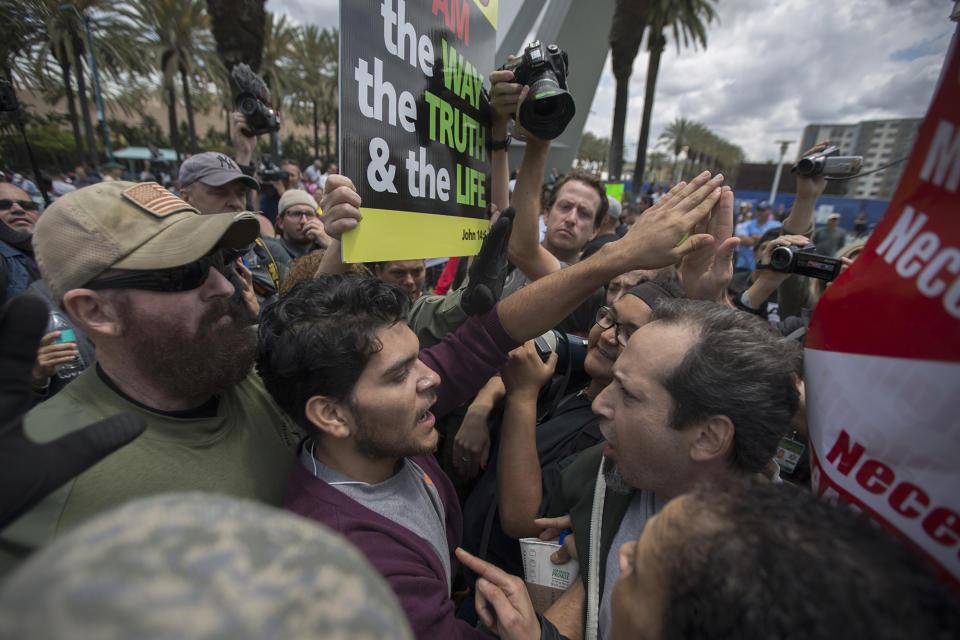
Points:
(548, 108)
(253, 101)
(803, 261)
(828, 164)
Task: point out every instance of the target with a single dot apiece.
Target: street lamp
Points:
(776, 176)
(101, 115)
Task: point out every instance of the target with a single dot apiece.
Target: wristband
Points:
(500, 145)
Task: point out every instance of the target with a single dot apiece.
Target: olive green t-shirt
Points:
(245, 450)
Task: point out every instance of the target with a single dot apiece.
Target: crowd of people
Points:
(217, 367)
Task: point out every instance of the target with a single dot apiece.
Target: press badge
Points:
(788, 454)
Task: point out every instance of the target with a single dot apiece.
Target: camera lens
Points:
(247, 105)
(548, 108)
(780, 259)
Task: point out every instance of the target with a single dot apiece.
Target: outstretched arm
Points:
(662, 236)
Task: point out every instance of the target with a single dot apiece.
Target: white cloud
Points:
(771, 67)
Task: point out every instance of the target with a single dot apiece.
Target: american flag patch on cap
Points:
(155, 199)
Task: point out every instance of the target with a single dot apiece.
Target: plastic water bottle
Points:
(58, 322)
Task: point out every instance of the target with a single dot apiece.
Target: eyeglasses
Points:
(183, 278)
(301, 214)
(606, 318)
(26, 205)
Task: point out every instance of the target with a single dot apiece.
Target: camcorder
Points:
(253, 101)
(548, 108)
(828, 164)
(803, 261)
(270, 172)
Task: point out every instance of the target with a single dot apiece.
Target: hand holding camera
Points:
(545, 108)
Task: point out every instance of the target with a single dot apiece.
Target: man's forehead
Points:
(405, 265)
(657, 344)
(9, 190)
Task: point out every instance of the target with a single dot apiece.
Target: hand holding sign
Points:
(340, 206)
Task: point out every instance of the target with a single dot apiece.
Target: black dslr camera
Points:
(804, 262)
(253, 101)
(828, 164)
(270, 172)
(548, 108)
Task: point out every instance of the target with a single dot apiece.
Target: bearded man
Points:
(146, 278)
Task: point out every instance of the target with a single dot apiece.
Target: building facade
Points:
(878, 141)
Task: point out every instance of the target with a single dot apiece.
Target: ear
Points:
(92, 313)
(330, 416)
(712, 439)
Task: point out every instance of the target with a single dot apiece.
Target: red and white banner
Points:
(883, 353)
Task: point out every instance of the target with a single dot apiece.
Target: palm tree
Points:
(238, 28)
(315, 57)
(686, 19)
(275, 65)
(626, 33)
(58, 47)
(675, 138)
(178, 36)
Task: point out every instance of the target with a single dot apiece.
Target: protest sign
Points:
(615, 190)
(414, 124)
(883, 353)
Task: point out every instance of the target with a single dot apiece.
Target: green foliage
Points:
(52, 146)
(593, 151)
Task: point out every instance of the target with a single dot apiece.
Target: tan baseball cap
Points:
(128, 225)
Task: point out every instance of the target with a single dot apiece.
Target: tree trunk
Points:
(172, 120)
(85, 112)
(326, 143)
(619, 119)
(72, 106)
(657, 43)
(188, 105)
(238, 29)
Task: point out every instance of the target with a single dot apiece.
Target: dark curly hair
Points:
(318, 338)
(762, 560)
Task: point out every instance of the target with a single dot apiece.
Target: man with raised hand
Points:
(338, 358)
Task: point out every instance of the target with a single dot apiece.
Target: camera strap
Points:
(272, 269)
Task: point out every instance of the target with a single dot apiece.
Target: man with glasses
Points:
(531, 454)
(299, 224)
(145, 277)
(19, 214)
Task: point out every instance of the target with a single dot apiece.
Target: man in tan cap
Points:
(143, 275)
(299, 223)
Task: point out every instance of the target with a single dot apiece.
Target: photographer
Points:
(273, 189)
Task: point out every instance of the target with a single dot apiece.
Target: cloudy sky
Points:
(771, 67)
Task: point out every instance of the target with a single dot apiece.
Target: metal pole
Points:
(92, 62)
(101, 115)
(776, 176)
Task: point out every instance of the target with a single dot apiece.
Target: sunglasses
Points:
(183, 278)
(26, 205)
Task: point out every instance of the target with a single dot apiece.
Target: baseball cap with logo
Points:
(128, 225)
(213, 169)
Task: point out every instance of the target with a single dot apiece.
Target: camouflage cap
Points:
(195, 565)
(127, 225)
